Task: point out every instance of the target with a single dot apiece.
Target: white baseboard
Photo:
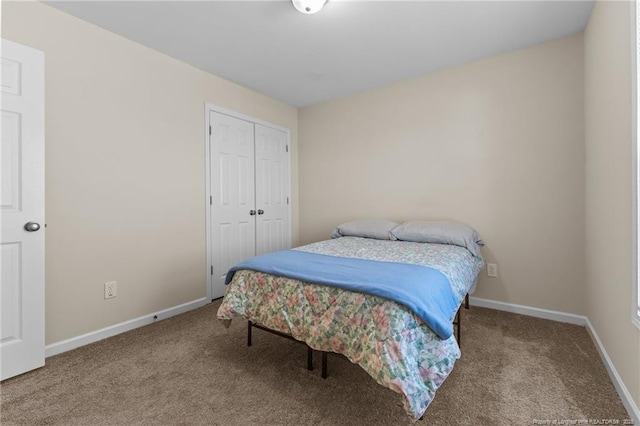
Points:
(623, 392)
(625, 396)
(94, 336)
(529, 311)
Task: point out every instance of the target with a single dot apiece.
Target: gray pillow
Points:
(377, 229)
(440, 232)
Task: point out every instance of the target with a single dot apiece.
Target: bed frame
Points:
(456, 322)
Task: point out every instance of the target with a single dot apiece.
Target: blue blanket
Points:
(425, 291)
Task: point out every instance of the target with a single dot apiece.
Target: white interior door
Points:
(272, 190)
(232, 186)
(22, 202)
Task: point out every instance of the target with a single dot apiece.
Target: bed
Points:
(386, 338)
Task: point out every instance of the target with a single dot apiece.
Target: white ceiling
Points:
(348, 47)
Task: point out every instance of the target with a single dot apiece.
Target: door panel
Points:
(272, 227)
(11, 167)
(11, 254)
(22, 201)
(233, 195)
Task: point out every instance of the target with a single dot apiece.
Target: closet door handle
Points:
(260, 211)
(252, 212)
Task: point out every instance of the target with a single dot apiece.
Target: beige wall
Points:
(124, 169)
(498, 144)
(608, 187)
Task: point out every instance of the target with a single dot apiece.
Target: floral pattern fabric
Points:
(385, 338)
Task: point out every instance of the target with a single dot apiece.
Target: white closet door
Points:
(233, 227)
(272, 186)
(22, 207)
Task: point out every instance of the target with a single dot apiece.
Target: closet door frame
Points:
(209, 107)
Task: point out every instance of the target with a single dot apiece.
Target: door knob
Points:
(252, 212)
(32, 226)
(260, 211)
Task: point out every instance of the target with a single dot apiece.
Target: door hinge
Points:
(210, 199)
(209, 130)
(287, 200)
(287, 148)
(211, 269)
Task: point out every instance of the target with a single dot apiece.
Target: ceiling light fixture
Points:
(308, 6)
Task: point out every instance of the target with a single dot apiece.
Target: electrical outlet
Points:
(110, 289)
(492, 270)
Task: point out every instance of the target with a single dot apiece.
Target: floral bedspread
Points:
(386, 339)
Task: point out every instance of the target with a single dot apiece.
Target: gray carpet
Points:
(191, 370)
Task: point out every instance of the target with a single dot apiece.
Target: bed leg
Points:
(466, 301)
(458, 319)
(324, 365)
(309, 358)
(249, 333)
(459, 327)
